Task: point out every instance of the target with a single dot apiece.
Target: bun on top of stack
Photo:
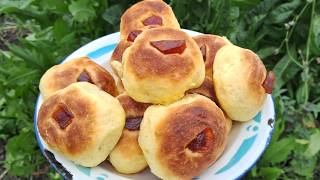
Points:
(141, 16)
(161, 65)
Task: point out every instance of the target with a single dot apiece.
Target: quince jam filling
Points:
(62, 116)
(152, 20)
(169, 46)
(268, 83)
(202, 141)
(133, 35)
(84, 77)
(133, 124)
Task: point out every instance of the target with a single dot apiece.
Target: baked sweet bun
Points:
(206, 89)
(82, 122)
(209, 46)
(181, 140)
(238, 78)
(76, 70)
(127, 157)
(145, 15)
(161, 65)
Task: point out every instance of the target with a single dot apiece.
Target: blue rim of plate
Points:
(95, 54)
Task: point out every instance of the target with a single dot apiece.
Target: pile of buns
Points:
(172, 107)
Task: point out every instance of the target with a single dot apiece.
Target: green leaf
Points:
(82, 10)
(7, 5)
(281, 13)
(270, 173)
(314, 144)
(302, 165)
(266, 52)
(112, 14)
(315, 36)
(278, 151)
(60, 29)
(285, 70)
(20, 154)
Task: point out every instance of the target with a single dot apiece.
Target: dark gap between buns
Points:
(203, 50)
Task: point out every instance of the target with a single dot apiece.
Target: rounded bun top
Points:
(145, 15)
(161, 65)
(77, 70)
(238, 78)
(144, 59)
(79, 120)
(182, 139)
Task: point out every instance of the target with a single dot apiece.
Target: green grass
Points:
(285, 34)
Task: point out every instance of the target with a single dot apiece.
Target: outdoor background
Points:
(36, 34)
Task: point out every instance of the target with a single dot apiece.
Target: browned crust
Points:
(212, 43)
(68, 73)
(77, 136)
(180, 127)
(132, 108)
(257, 71)
(119, 50)
(132, 19)
(206, 89)
(145, 61)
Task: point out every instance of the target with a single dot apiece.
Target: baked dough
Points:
(135, 18)
(209, 45)
(82, 122)
(153, 76)
(127, 157)
(181, 140)
(76, 70)
(238, 77)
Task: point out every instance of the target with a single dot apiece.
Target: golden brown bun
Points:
(209, 45)
(62, 75)
(168, 136)
(119, 50)
(229, 123)
(127, 157)
(206, 89)
(82, 122)
(151, 76)
(133, 18)
(238, 78)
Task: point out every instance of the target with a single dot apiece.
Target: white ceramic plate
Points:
(246, 142)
